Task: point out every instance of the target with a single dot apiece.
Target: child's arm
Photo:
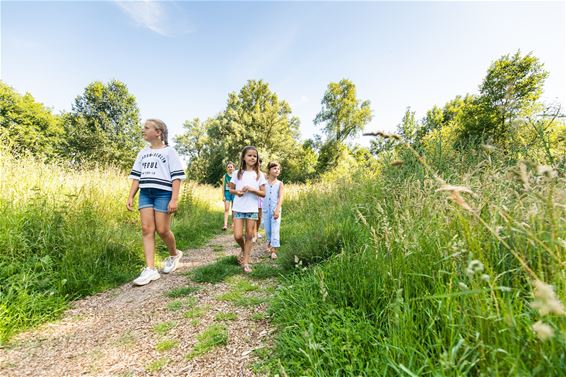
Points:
(233, 190)
(277, 211)
(133, 191)
(261, 191)
(223, 187)
(173, 203)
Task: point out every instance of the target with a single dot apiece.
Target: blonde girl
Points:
(157, 173)
(247, 185)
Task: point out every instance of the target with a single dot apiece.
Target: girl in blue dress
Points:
(272, 208)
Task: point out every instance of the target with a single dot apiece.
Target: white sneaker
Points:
(171, 262)
(147, 275)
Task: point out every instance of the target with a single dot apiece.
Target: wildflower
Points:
(462, 286)
(473, 267)
(542, 330)
(547, 171)
(545, 300)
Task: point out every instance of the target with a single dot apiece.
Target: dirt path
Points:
(138, 331)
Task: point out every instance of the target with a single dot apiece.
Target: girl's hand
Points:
(130, 204)
(276, 213)
(240, 193)
(245, 189)
(172, 207)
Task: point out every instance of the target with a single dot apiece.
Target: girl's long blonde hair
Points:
(243, 162)
(160, 126)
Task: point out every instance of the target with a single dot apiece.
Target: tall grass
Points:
(65, 233)
(395, 279)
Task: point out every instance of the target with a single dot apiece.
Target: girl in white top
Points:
(157, 174)
(247, 184)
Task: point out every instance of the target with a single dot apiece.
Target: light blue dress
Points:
(270, 224)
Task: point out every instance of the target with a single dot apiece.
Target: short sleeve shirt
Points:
(157, 168)
(248, 201)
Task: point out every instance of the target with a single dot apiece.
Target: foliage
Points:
(344, 114)
(103, 126)
(253, 116)
(393, 278)
(27, 126)
(65, 233)
(509, 91)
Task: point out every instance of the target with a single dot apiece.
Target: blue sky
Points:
(181, 59)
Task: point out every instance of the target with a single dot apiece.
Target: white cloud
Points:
(164, 18)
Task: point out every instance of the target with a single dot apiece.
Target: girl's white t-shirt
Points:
(248, 201)
(157, 168)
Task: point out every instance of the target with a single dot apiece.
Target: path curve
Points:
(113, 333)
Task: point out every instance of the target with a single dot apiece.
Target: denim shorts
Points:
(245, 215)
(154, 198)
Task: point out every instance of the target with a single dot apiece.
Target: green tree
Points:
(194, 144)
(342, 112)
(104, 125)
(408, 127)
(302, 167)
(253, 116)
(510, 90)
(26, 125)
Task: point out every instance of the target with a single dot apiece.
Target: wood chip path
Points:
(113, 333)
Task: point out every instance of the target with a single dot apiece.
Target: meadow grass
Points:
(217, 271)
(65, 233)
(226, 316)
(213, 336)
(182, 291)
(397, 277)
(157, 365)
(164, 327)
(166, 345)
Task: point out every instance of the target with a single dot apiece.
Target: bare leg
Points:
(148, 235)
(238, 235)
(163, 227)
(250, 226)
(226, 213)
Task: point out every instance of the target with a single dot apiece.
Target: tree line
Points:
(103, 126)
